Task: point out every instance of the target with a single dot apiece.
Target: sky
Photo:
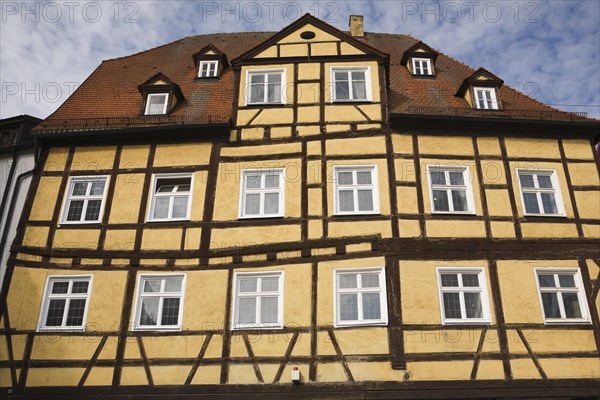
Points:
(548, 49)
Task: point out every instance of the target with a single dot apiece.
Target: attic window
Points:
(157, 104)
(422, 66)
(208, 69)
(307, 35)
(485, 98)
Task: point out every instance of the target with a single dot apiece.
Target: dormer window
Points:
(422, 66)
(420, 60)
(481, 90)
(157, 103)
(159, 95)
(208, 69)
(485, 98)
(210, 63)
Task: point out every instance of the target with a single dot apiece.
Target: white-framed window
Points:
(84, 200)
(562, 295)
(262, 193)
(540, 192)
(258, 300)
(65, 302)
(208, 69)
(171, 197)
(156, 103)
(350, 84)
(422, 66)
(450, 189)
(356, 189)
(463, 295)
(485, 98)
(265, 87)
(159, 302)
(360, 297)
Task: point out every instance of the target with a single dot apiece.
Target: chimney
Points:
(357, 26)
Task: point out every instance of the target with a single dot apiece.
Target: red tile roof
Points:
(110, 97)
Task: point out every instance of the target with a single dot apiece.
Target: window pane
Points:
(93, 210)
(170, 312)
(56, 309)
(544, 181)
(248, 285)
(341, 76)
(438, 178)
(60, 287)
(566, 281)
(365, 200)
(149, 313)
(80, 287)
(161, 208)
(252, 204)
(363, 178)
(75, 313)
(253, 180)
(274, 78)
(156, 104)
(550, 302)
(268, 310)
(440, 200)
(546, 280)
(257, 78)
(75, 210)
(346, 199)
(359, 90)
(459, 200)
(549, 203)
(470, 280)
(531, 203)
(257, 93)
(165, 189)
(452, 305)
(271, 203)
(456, 178)
(342, 91)
(449, 280)
(358, 75)
(473, 305)
(274, 93)
(371, 306)
(344, 178)
(180, 206)
(348, 281)
(79, 188)
(370, 280)
(247, 310)
(270, 284)
(571, 303)
(272, 181)
(173, 285)
(97, 188)
(348, 307)
(152, 286)
(526, 181)
(183, 188)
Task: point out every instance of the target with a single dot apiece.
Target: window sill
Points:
(355, 214)
(567, 322)
(79, 223)
(64, 329)
(156, 328)
(243, 217)
(262, 105)
(359, 324)
(454, 213)
(253, 327)
(152, 221)
(544, 216)
(467, 322)
(354, 102)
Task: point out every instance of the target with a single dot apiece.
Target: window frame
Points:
(482, 289)
(374, 186)
(247, 97)
(208, 62)
(558, 199)
(349, 69)
(68, 198)
(466, 171)
(235, 326)
(137, 309)
(581, 295)
(421, 60)
(337, 322)
(152, 197)
(261, 191)
(165, 106)
(494, 97)
(47, 296)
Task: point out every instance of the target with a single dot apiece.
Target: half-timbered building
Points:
(308, 213)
